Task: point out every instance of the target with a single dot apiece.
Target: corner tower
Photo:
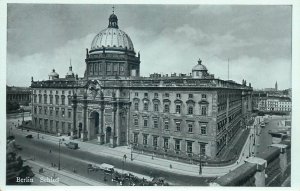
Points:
(112, 54)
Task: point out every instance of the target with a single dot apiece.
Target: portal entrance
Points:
(94, 124)
(108, 134)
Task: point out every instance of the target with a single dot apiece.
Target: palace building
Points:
(193, 114)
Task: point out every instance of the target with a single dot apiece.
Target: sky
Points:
(256, 39)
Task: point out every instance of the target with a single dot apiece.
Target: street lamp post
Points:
(131, 148)
(59, 142)
(200, 165)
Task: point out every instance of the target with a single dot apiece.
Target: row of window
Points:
(166, 143)
(50, 91)
(96, 68)
(44, 111)
(166, 125)
(57, 100)
(178, 95)
(45, 123)
(166, 109)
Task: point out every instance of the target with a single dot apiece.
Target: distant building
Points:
(20, 95)
(185, 115)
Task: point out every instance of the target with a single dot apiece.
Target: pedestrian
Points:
(50, 151)
(170, 165)
(125, 157)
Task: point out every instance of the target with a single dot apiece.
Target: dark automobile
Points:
(29, 136)
(72, 145)
(11, 137)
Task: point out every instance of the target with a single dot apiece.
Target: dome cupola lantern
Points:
(113, 20)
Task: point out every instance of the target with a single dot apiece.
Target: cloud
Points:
(39, 65)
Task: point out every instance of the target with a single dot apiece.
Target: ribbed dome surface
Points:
(112, 38)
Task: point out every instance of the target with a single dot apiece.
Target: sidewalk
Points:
(145, 160)
(64, 177)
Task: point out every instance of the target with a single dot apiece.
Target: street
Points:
(39, 149)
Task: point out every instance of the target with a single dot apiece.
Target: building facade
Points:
(192, 114)
(20, 95)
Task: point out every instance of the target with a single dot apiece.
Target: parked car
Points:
(29, 136)
(11, 137)
(72, 145)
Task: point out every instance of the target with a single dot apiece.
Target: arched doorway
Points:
(108, 134)
(94, 124)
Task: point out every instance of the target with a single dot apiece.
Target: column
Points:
(113, 139)
(261, 164)
(74, 106)
(128, 122)
(101, 137)
(84, 131)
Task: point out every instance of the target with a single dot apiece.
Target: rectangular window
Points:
(178, 96)
(69, 114)
(203, 129)
(135, 138)
(56, 111)
(166, 108)
(91, 69)
(155, 95)
(51, 111)
(108, 67)
(69, 127)
(203, 110)
(45, 99)
(115, 67)
(145, 94)
(202, 149)
(166, 125)
(145, 139)
(63, 127)
(69, 100)
(45, 110)
(154, 141)
(56, 100)
(35, 110)
(178, 128)
(166, 143)
(146, 106)
(40, 110)
(145, 122)
(177, 145)
(189, 147)
(156, 107)
(190, 110)
(51, 99)
(178, 109)
(166, 94)
(136, 106)
(155, 123)
(51, 124)
(136, 94)
(62, 100)
(203, 96)
(40, 98)
(190, 126)
(63, 112)
(136, 121)
(190, 96)
(34, 98)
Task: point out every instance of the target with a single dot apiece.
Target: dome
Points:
(53, 74)
(112, 38)
(199, 67)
